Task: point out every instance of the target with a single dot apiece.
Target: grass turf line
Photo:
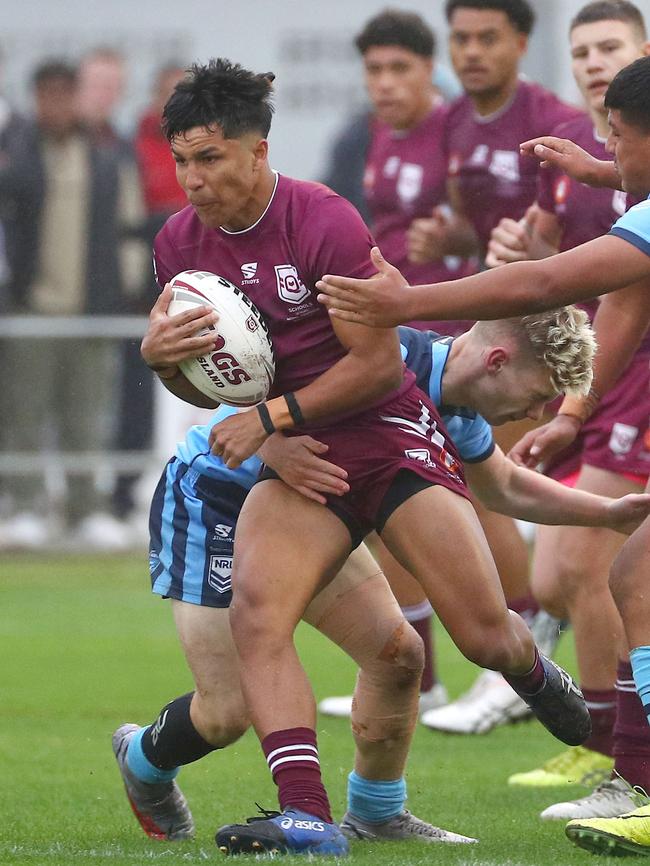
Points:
(86, 647)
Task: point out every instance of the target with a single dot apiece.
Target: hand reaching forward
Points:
(380, 302)
(539, 445)
(552, 152)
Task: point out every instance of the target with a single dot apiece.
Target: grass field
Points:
(85, 647)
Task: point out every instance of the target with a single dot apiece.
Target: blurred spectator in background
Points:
(162, 196)
(102, 84)
(18, 196)
(59, 394)
(162, 193)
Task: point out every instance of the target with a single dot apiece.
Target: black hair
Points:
(629, 93)
(222, 94)
(519, 12)
(395, 27)
(611, 10)
(51, 70)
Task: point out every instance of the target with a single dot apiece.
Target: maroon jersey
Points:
(405, 178)
(494, 180)
(306, 231)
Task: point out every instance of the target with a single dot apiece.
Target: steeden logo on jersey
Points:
(249, 271)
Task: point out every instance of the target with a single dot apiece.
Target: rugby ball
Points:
(239, 370)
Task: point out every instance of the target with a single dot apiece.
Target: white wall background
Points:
(307, 44)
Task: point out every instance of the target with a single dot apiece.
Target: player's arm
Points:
(447, 232)
(300, 463)
(621, 322)
(595, 268)
(170, 339)
(371, 367)
(518, 492)
(553, 152)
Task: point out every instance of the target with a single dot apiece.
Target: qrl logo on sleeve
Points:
(290, 287)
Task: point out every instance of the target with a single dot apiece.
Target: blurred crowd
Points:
(79, 208)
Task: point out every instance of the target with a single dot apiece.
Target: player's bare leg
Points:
(358, 611)
(629, 586)
(484, 630)
(571, 571)
(188, 728)
(286, 549)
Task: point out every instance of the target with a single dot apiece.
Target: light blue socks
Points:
(375, 802)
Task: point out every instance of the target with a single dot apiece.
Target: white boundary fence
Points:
(172, 417)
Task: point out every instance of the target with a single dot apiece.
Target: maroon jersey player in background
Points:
(488, 179)
(571, 568)
(405, 178)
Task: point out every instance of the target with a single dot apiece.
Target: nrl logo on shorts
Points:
(290, 287)
(220, 574)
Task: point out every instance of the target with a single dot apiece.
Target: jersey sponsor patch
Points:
(409, 182)
(249, 273)
(622, 438)
(505, 164)
(220, 574)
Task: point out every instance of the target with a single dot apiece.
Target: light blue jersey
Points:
(426, 353)
(634, 226)
(195, 452)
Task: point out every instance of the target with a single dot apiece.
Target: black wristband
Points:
(265, 418)
(294, 409)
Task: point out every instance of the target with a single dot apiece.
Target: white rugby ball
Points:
(239, 371)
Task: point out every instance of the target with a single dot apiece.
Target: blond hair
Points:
(562, 339)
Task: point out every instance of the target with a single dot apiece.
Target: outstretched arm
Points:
(595, 268)
(570, 158)
(519, 492)
(620, 324)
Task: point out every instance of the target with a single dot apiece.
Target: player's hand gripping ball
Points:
(240, 369)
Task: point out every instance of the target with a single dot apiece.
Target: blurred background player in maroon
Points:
(405, 177)
(406, 169)
(571, 567)
(487, 180)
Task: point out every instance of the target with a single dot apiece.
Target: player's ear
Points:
(496, 359)
(523, 44)
(261, 152)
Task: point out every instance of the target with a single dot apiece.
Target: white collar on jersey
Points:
(261, 216)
